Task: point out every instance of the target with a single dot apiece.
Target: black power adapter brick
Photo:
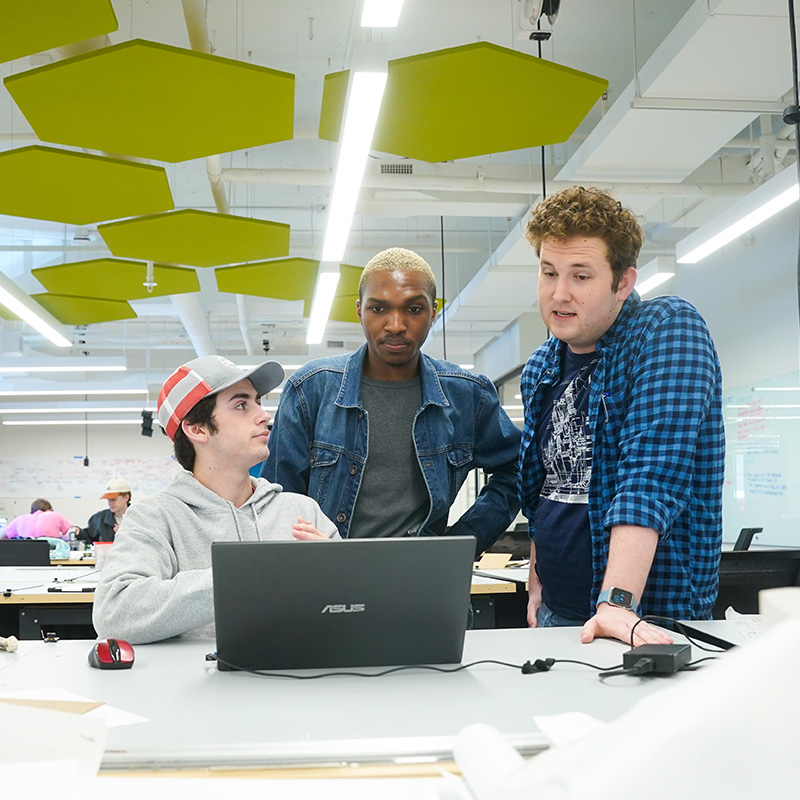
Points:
(666, 658)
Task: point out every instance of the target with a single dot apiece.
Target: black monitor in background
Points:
(744, 573)
(24, 553)
(745, 537)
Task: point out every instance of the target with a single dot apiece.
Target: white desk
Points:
(202, 718)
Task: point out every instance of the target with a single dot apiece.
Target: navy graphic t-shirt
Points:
(563, 539)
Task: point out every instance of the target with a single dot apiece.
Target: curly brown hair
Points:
(578, 211)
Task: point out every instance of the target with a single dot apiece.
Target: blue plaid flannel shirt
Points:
(655, 415)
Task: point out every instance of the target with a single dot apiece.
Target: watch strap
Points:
(605, 597)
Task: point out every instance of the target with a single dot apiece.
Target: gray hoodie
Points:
(156, 582)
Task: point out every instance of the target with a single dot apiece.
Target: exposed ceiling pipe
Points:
(194, 319)
(194, 13)
(480, 182)
(244, 320)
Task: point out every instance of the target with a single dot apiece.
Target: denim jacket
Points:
(655, 415)
(320, 439)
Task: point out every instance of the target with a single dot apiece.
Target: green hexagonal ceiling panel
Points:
(31, 26)
(284, 279)
(77, 188)
(156, 101)
(115, 279)
(471, 100)
(198, 238)
(70, 310)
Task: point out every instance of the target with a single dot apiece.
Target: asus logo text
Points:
(343, 608)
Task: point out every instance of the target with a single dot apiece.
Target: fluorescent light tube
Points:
(381, 13)
(76, 422)
(762, 203)
(87, 410)
(363, 106)
(653, 282)
(655, 272)
(40, 392)
(88, 368)
(324, 293)
(17, 302)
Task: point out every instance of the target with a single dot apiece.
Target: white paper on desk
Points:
(565, 728)
(748, 625)
(49, 746)
(731, 729)
(112, 716)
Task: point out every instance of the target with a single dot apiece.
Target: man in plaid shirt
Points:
(622, 455)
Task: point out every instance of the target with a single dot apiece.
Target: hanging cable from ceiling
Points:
(540, 36)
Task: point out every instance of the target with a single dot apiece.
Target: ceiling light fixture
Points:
(82, 410)
(381, 13)
(46, 365)
(654, 273)
(137, 421)
(762, 203)
(325, 291)
(364, 94)
(29, 311)
(40, 391)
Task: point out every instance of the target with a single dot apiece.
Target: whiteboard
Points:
(762, 461)
(69, 478)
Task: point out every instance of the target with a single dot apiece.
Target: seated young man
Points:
(156, 582)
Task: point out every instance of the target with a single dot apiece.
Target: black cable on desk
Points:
(680, 628)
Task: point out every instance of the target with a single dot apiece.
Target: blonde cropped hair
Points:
(578, 211)
(401, 260)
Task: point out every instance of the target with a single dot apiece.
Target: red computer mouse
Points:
(111, 654)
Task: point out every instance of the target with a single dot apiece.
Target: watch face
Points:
(621, 597)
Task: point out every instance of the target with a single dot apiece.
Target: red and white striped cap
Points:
(204, 376)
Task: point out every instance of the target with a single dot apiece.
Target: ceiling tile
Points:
(84, 310)
(198, 238)
(469, 101)
(156, 101)
(78, 188)
(31, 26)
(114, 279)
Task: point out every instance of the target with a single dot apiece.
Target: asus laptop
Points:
(354, 603)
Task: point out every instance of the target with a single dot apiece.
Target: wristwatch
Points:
(621, 598)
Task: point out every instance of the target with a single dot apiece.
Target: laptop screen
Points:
(354, 603)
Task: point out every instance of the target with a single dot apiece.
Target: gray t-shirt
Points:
(393, 499)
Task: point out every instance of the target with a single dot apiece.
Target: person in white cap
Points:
(103, 526)
(156, 582)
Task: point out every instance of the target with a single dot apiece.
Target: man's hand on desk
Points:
(305, 531)
(616, 623)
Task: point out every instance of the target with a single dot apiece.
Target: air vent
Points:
(334, 344)
(397, 169)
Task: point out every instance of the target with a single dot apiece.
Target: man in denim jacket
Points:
(622, 456)
(384, 437)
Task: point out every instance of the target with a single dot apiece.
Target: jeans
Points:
(549, 619)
